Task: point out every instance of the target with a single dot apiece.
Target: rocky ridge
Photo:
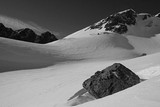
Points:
(27, 35)
(118, 22)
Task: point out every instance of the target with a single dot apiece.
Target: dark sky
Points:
(68, 16)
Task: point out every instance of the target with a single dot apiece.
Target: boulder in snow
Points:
(110, 80)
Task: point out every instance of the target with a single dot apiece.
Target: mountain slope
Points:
(127, 22)
(55, 85)
(17, 55)
(58, 69)
(89, 43)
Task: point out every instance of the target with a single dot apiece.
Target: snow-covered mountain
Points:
(127, 22)
(129, 30)
(48, 75)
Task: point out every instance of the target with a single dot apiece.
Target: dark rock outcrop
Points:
(121, 19)
(120, 28)
(46, 37)
(110, 80)
(143, 54)
(5, 32)
(24, 35)
(27, 35)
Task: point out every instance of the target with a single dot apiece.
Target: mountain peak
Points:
(128, 21)
(117, 22)
(127, 11)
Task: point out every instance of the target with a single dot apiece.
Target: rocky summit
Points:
(110, 80)
(117, 22)
(27, 35)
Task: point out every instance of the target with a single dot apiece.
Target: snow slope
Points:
(17, 55)
(53, 86)
(36, 75)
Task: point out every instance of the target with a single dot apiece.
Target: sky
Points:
(64, 17)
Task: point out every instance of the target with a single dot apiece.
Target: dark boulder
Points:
(110, 80)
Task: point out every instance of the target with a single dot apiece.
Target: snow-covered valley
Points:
(35, 75)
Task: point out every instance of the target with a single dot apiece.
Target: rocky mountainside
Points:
(117, 22)
(126, 22)
(27, 35)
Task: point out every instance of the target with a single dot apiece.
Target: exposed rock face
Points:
(24, 35)
(110, 80)
(46, 37)
(27, 35)
(120, 28)
(121, 19)
(5, 32)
